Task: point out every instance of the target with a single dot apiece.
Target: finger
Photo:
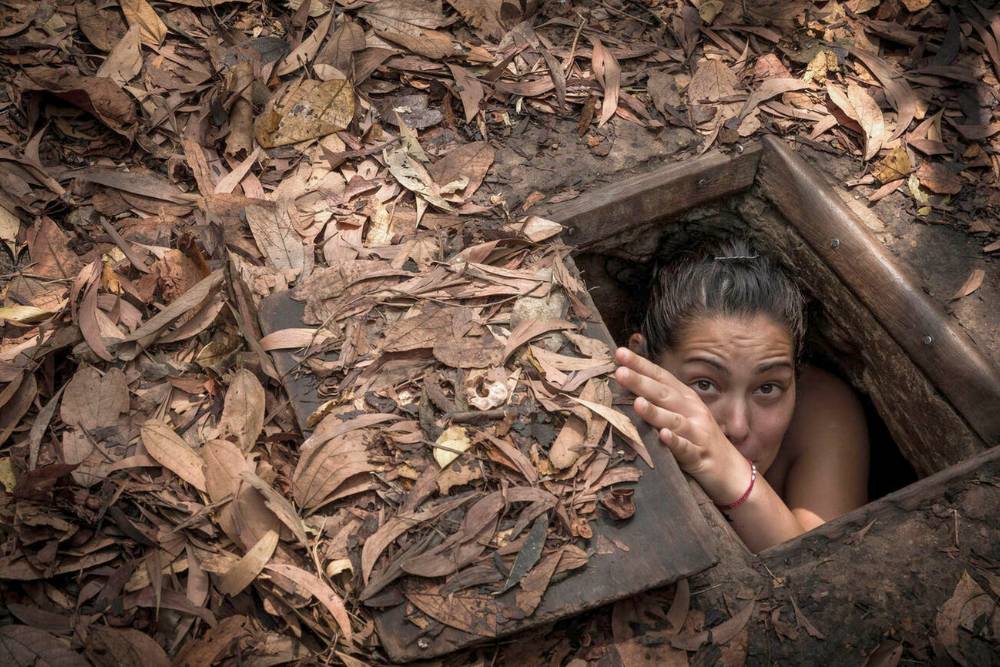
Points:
(653, 391)
(689, 457)
(644, 366)
(658, 417)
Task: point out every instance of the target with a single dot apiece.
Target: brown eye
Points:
(703, 385)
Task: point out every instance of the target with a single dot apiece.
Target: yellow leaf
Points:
(23, 314)
(7, 478)
(452, 442)
(152, 30)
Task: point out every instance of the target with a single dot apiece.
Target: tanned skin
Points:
(728, 393)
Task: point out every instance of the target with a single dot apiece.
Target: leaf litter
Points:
(209, 159)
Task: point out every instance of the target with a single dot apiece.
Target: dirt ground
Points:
(167, 164)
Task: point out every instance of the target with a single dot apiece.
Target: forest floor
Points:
(166, 165)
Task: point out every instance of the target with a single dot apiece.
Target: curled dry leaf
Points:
(622, 424)
(314, 586)
(170, 451)
(972, 283)
(608, 74)
(244, 571)
(861, 108)
(123, 647)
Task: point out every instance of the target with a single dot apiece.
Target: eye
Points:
(769, 389)
(703, 386)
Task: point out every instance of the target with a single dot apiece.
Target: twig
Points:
(466, 416)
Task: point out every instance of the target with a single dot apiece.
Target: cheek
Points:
(771, 422)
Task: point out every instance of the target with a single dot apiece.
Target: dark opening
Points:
(618, 281)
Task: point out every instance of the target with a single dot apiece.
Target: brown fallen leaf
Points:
(622, 424)
(305, 109)
(471, 161)
(971, 284)
(25, 646)
(243, 410)
(949, 616)
(772, 88)
(938, 178)
(141, 14)
(125, 60)
(411, 23)
(314, 586)
(608, 74)
(244, 571)
(306, 51)
(170, 451)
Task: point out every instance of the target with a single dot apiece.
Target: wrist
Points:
(731, 483)
(726, 507)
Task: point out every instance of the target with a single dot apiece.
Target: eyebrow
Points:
(762, 368)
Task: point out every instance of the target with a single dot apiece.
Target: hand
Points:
(685, 425)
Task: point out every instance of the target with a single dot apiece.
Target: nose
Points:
(735, 421)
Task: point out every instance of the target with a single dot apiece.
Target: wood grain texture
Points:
(632, 202)
(924, 425)
(936, 344)
(667, 537)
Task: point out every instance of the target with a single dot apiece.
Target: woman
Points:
(780, 448)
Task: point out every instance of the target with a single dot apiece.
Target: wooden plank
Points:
(667, 538)
(633, 202)
(943, 351)
(924, 425)
(881, 570)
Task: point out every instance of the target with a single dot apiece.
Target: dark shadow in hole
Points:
(619, 286)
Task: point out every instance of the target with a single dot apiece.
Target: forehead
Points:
(753, 337)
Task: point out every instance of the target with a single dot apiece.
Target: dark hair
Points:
(727, 278)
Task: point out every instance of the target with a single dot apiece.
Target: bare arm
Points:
(825, 477)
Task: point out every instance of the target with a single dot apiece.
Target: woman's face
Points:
(743, 369)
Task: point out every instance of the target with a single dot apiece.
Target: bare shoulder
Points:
(828, 436)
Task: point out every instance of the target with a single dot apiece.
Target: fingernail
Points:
(641, 403)
(622, 372)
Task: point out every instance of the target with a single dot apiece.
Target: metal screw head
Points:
(928, 340)
(835, 243)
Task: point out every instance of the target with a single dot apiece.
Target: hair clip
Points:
(738, 257)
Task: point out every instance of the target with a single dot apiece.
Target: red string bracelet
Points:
(743, 498)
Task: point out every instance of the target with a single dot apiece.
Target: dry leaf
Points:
(151, 28)
(305, 109)
(711, 82)
(470, 161)
(244, 571)
(608, 74)
(411, 23)
(972, 283)
(450, 444)
(170, 451)
(313, 585)
(125, 60)
(243, 411)
(277, 238)
(622, 424)
(307, 49)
